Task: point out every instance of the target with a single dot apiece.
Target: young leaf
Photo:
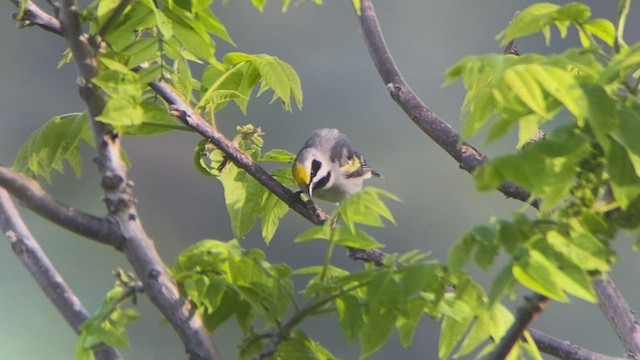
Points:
(54, 142)
(350, 318)
(273, 209)
(366, 207)
(379, 323)
(540, 275)
(243, 195)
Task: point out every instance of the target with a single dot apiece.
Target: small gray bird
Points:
(328, 168)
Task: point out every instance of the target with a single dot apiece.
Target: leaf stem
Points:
(217, 83)
(329, 254)
(623, 11)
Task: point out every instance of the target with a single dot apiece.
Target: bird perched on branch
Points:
(328, 168)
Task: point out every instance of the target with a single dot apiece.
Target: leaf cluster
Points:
(107, 324)
(583, 172)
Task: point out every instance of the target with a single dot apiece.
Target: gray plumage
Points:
(328, 168)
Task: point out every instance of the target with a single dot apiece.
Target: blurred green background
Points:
(341, 89)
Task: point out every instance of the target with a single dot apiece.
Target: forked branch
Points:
(28, 250)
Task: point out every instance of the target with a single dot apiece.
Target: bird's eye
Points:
(315, 167)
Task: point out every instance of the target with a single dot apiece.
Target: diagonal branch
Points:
(28, 250)
(185, 113)
(564, 349)
(620, 315)
(118, 195)
(438, 130)
(469, 158)
(192, 119)
(525, 314)
(35, 198)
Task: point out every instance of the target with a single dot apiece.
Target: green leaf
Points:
(545, 168)
(281, 78)
(601, 28)
(141, 51)
(259, 4)
(214, 25)
(538, 17)
(366, 207)
(341, 235)
(54, 142)
(300, 346)
(628, 59)
(503, 282)
(540, 275)
(460, 253)
(273, 209)
(562, 86)
(408, 323)
(107, 324)
(278, 155)
(526, 88)
(350, 318)
(242, 194)
(625, 182)
(156, 121)
(379, 323)
(191, 34)
(576, 251)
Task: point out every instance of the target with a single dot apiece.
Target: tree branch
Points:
(185, 113)
(138, 247)
(33, 15)
(620, 315)
(525, 314)
(28, 250)
(565, 350)
(438, 130)
(31, 194)
(469, 158)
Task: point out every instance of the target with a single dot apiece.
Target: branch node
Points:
(154, 274)
(395, 90)
(111, 181)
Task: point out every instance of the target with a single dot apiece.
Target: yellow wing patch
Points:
(351, 166)
(300, 174)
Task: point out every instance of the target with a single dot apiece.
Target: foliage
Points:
(54, 142)
(107, 324)
(584, 172)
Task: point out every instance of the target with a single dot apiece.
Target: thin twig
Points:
(31, 194)
(28, 250)
(138, 247)
(565, 350)
(438, 130)
(525, 314)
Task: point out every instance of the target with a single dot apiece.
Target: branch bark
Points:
(31, 194)
(525, 314)
(28, 250)
(138, 247)
(565, 350)
(468, 157)
(620, 315)
(33, 15)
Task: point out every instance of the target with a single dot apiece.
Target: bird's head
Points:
(311, 171)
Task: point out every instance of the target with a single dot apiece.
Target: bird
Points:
(328, 168)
